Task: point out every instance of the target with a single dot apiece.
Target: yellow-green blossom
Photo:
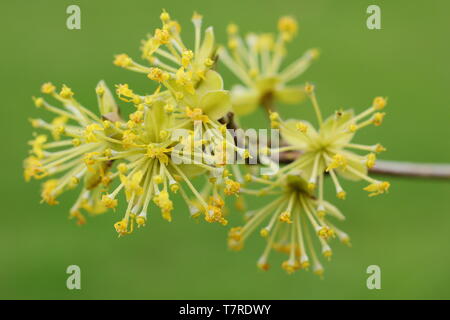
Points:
(257, 60)
(170, 57)
(78, 136)
(328, 150)
(291, 223)
(160, 153)
(192, 87)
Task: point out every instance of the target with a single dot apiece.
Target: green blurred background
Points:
(406, 233)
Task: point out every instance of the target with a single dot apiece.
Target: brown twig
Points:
(410, 169)
(382, 167)
(267, 103)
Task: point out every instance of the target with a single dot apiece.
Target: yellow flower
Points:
(75, 153)
(180, 133)
(328, 150)
(256, 61)
(290, 219)
(151, 164)
(168, 55)
(187, 73)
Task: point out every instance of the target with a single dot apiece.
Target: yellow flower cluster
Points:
(79, 136)
(294, 218)
(300, 209)
(179, 132)
(328, 149)
(256, 61)
(153, 154)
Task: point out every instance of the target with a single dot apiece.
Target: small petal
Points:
(290, 94)
(244, 100)
(216, 104)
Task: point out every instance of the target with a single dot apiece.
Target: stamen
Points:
(340, 193)
(235, 68)
(309, 89)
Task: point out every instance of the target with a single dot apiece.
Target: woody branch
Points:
(382, 167)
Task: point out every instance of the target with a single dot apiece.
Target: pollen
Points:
(309, 88)
(186, 58)
(379, 103)
(37, 145)
(371, 159)
(164, 16)
(377, 188)
(132, 185)
(166, 205)
(141, 221)
(263, 266)
(274, 116)
(38, 102)
(232, 29)
(341, 195)
(89, 158)
(66, 92)
(337, 161)
(49, 191)
(197, 16)
(162, 36)
(303, 128)
(137, 117)
(378, 118)
(311, 186)
(196, 114)
(379, 148)
(128, 139)
(235, 233)
(288, 27)
(48, 88)
(158, 75)
(109, 202)
(123, 90)
(232, 187)
(264, 232)
(159, 153)
(325, 232)
(286, 217)
(290, 266)
(33, 169)
(121, 227)
(122, 167)
(122, 60)
(209, 62)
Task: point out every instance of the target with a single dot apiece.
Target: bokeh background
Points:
(406, 233)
